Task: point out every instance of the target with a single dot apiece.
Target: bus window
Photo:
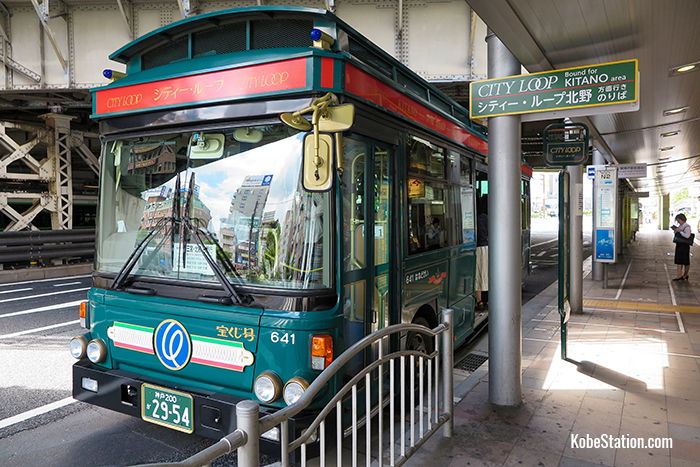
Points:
(354, 203)
(465, 170)
(354, 306)
(425, 158)
(426, 216)
(381, 206)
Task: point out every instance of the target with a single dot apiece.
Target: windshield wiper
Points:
(138, 251)
(188, 230)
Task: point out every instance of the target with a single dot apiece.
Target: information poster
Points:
(605, 214)
(194, 259)
(468, 233)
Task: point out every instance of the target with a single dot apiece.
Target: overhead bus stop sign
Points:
(565, 144)
(568, 92)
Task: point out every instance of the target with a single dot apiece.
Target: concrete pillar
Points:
(576, 238)
(505, 333)
(597, 268)
(619, 237)
(664, 215)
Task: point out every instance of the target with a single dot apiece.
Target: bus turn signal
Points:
(321, 351)
(83, 313)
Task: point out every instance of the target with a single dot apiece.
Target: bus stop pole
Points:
(576, 238)
(596, 267)
(505, 256)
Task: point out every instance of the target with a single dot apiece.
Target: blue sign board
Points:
(605, 245)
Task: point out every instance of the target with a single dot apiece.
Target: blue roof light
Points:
(107, 73)
(316, 34)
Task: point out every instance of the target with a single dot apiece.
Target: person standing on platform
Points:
(481, 283)
(683, 238)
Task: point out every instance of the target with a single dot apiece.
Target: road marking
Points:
(555, 340)
(673, 299)
(65, 285)
(43, 328)
(624, 279)
(44, 294)
(17, 290)
(43, 308)
(46, 280)
(35, 412)
(580, 323)
(641, 306)
(544, 243)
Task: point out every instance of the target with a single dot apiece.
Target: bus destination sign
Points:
(568, 88)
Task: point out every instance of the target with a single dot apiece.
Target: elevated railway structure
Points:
(52, 52)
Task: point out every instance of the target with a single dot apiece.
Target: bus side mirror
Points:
(318, 163)
(337, 118)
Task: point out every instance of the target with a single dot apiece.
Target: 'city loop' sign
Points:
(568, 88)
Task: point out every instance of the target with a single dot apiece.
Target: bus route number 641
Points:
(283, 337)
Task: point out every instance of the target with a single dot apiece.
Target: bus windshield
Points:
(240, 188)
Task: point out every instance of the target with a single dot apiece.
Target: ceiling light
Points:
(666, 148)
(670, 133)
(676, 110)
(684, 68)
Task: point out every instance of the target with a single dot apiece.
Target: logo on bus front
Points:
(172, 344)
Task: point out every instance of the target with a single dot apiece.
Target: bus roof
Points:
(372, 55)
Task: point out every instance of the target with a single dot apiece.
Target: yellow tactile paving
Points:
(615, 304)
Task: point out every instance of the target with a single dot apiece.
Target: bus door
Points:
(366, 205)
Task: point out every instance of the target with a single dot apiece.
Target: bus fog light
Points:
(89, 384)
(272, 435)
(96, 351)
(78, 347)
(294, 389)
(267, 387)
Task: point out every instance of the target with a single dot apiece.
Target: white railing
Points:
(415, 412)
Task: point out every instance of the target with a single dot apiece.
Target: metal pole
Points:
(247, 413)
(447, 364)
(505, 333)
(576, 238)
(597, 268)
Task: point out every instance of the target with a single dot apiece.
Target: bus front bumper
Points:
(214, 414)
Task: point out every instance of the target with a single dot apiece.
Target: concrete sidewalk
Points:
(635, 373)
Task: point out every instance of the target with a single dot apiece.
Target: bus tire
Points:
(418, 341)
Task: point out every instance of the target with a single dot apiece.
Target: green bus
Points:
(273, 188)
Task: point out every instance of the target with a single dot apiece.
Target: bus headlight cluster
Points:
(78, 347)
(267, 387)
(96, 351)
(294, 389)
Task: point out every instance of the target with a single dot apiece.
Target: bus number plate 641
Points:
(166, 407)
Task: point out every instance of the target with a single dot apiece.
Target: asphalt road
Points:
(544, 258)
(40, 424)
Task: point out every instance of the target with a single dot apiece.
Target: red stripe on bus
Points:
(367, 87)
(237, 82)
(327, 66)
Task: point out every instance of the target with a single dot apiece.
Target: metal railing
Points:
(411, 422)
(42, 245)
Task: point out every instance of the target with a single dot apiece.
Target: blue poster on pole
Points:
(605, 245)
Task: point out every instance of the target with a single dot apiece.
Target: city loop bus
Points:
(273, 188)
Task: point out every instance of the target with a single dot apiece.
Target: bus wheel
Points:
(419, 341)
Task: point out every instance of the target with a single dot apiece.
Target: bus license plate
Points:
(166, 407)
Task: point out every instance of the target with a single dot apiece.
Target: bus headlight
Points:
(96, 351)
(293, 390)
(267, 387)
(78, 347)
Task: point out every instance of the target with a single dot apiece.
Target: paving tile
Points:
(685, 450)
(642, 458)
(684, 433)
(684, 412)
(521, 456)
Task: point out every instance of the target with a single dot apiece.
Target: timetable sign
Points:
(556, 90)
